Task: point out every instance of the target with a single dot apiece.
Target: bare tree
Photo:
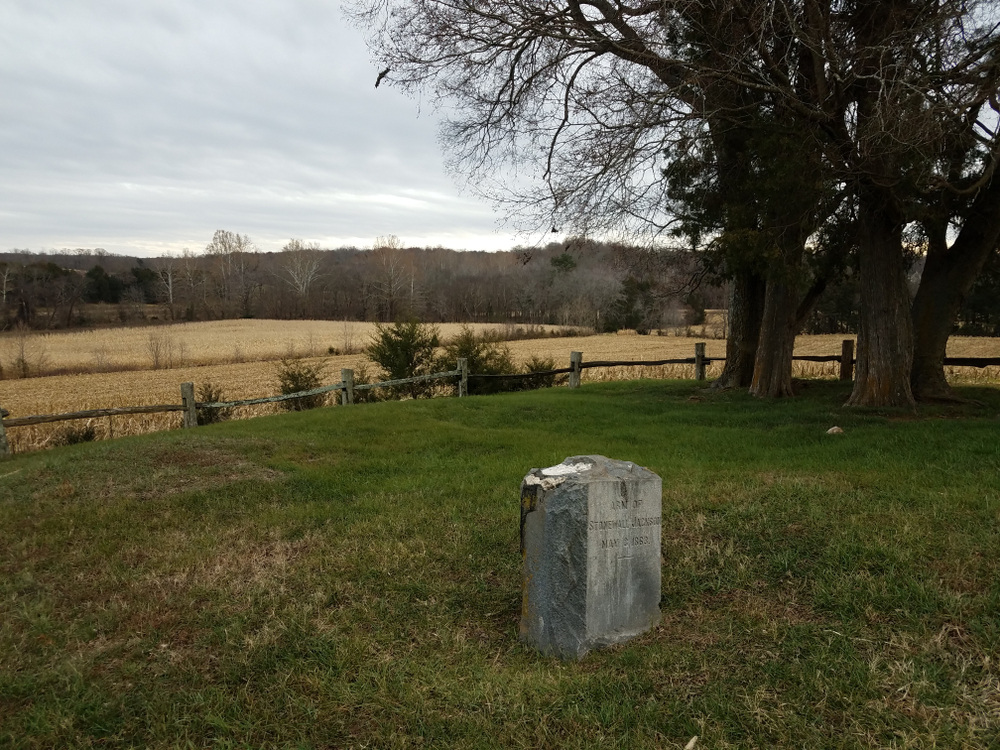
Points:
(168, 271)
(67, 293)
(390, 277)
(192, 280)
(299, 267)
(588, 100)
(5, 280)
(237, 263)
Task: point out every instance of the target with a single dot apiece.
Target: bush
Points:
(486, 354)
(71, 435)
(210, 394)
(405, 349)
(539, 364)
(363, 376)
(296, 375)
(511, 332)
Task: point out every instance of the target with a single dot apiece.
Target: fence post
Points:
(463, 378)
(347, 392)
(847, 360)
(575, 360)
(699, 361)
(187, 397)
(4, 445)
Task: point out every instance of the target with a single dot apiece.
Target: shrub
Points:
(209, 394)
(511, 332)
(486, 354)
(30, 358)
(72, 434)
(405, 349)
(539, 364)
(363, 376)
(295, 375)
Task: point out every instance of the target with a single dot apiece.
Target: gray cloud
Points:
(143, 127)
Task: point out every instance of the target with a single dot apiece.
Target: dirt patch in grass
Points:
(780, 607)
(701, 622)
(153, 471)
(170, 470)
(241, 564)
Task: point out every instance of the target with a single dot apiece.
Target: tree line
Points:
(605, 286)
(600, 285)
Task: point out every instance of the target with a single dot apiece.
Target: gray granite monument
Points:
(590, 547)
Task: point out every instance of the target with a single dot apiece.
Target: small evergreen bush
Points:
(405, 349)
(73, 434)
(295, 375)
(539, 364)
(486, 354)
(363, 376)
(210, 394)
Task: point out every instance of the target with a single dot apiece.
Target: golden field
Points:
(188, 344)
(234, 355)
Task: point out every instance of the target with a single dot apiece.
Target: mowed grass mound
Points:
(351, 578)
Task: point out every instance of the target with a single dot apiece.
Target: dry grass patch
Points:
(167, 470)
(902, 668)
(240, 565)
(196, 344)
(68, 393)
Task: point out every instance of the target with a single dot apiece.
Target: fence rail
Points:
(971, 361)
(90, 414)
(818, 358)
(522, 375)
(347, 387)
(407, 381)
(268, 399)
(640, 363)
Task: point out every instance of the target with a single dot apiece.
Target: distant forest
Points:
(574, 283)
(599, 285)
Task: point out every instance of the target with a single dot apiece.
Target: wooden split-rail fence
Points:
(347, 387)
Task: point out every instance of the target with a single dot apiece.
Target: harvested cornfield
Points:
(181, 345)
(628, 345)
(255, 379)
(68, 393)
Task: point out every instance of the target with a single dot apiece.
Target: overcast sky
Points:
(142, 126)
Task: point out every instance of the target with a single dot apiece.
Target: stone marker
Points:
(590, 546)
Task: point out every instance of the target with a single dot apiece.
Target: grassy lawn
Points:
(350, 578)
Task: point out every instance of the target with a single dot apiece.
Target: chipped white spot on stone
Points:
(561, 470)
(546, 484)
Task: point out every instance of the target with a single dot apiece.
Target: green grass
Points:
(350, 578)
